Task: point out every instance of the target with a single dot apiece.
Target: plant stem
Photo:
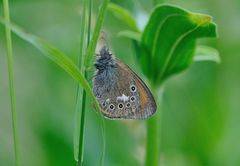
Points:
(153, 135)
(153, 141)
(84, 97)
(86, 63)
(11, 81)
(80, 100)
(82, 127)
(89, 21)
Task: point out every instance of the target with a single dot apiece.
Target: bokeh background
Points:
(200, 108)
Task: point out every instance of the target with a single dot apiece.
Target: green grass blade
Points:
(92, 46)
(206, 53)
(124, 16)
(82, 35)
(156, 2)
(87, 64)
(90, 51)
(79, 98)
(77, 118)
(55, 55)
(103, 127)
(84, 97)
(11, 82)
(130, 34)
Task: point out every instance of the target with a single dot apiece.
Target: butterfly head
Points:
(104, 60)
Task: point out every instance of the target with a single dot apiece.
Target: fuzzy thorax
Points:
(104, 60)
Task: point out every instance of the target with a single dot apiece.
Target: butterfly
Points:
(120, 92)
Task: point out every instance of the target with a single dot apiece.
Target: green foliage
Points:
(92, 46)
(66, 64)
(205, 53)
(180, 144)
(55, 55)
(164, 48)
(130, 34)
(81, 95)
(124, 16)
(11, 82)
(88, 62)
(169, 40)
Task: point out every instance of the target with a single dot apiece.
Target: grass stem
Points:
(81, 108)
(87, 61)
(11, 81)
(82, 127)
(84, 96)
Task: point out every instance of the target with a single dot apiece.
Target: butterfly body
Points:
(119, 91)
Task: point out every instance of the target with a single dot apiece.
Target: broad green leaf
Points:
(130, 34)
(124, 16)
(55, 55)
(205, 53)
(169, 40)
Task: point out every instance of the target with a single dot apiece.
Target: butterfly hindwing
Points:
(144, 103)
(123, 95)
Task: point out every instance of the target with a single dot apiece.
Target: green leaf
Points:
(124, 16)
(205, 53)
(55, 55)
(169, 40)
(130, 34)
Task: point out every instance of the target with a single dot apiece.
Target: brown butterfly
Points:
(119, 91)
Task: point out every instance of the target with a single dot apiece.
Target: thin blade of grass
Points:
(91, 49)
(81, 127)
(124, 16)
(92, 46)
(88, 61)
(101, 161)
(79, 99)
(11, 82)
(55, 55)
(130, 34)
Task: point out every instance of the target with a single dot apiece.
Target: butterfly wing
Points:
(123, 95)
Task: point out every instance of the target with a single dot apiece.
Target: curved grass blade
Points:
(55, 55)
(92, 46)
(124, 16)
(88, 61)
(80, 93)
(130, 34)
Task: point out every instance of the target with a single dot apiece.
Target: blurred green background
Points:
(200, 111)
